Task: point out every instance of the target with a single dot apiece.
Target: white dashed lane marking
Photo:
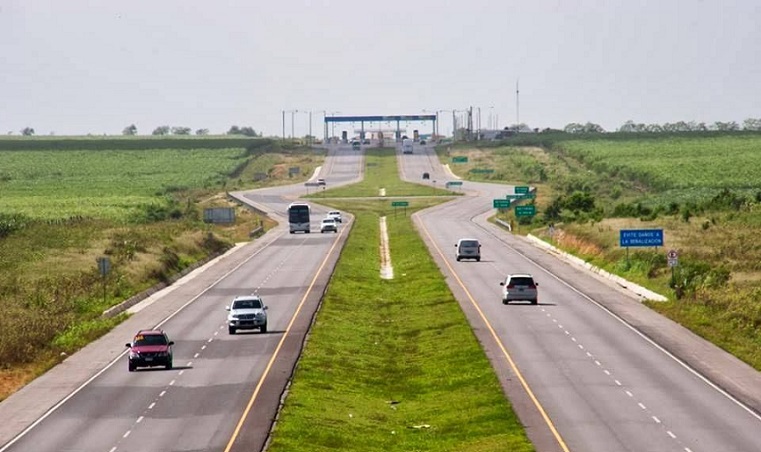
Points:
(617, 382)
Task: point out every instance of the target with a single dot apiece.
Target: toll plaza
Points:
(371, 124)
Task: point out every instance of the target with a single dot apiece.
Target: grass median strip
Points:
(392, 365)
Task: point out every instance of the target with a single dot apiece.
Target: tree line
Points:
(178, 130)
(750, 124)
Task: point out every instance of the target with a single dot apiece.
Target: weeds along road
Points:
(589, 365)
(224, 390)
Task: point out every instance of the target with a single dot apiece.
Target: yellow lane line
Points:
(509, 358)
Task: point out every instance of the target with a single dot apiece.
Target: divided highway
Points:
(587, 369)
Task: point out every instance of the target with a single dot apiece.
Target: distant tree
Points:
(752, 124)
(161, 130)
(654, 128)
(202, 132)
(584, 128)
(248, 131)
(181, 130)
(27, 131)
(725, 126)
(130, 130)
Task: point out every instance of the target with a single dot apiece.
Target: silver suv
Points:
(519, 286)
(247, 313)
(468, 249)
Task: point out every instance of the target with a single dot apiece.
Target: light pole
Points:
(292, 112)
(283, 125)
(332, 124)
(437, 120)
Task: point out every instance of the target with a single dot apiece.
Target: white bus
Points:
(298, 217)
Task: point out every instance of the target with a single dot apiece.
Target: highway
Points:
(224, 390)
(587, 369)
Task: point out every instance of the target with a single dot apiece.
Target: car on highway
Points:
(422, 142)
(247, 312)
(426, 176)
(150, 348)
(355, 145)
(519, 287)
(468, 249)
(321, 181)
(336, 215)
(328, 225)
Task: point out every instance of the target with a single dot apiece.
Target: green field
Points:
(106, 183)
(677, 168)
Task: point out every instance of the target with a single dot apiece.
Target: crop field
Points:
(679, 168)
(51, 184)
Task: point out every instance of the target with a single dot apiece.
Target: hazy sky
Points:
(77, 66)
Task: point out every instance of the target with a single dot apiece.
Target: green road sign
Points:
(501, 203)
(521, 189)
(399, 203)
(481, 171)
(463, 159)
(530, 195)
(525, 211)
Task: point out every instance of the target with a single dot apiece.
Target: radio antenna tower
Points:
(517, 106)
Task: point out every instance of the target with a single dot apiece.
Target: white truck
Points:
(406, 146)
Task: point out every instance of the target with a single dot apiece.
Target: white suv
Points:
(247, 313)
(519, 286)
(334, 214)
(328, 225)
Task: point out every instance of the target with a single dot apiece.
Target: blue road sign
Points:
(641, 237)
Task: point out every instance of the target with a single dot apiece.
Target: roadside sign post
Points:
(104, 267)
(396, 204)
(501, 204)
(673, 260)
(640, 237)
(525, 211)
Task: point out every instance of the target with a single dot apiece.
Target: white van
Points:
(468, 249)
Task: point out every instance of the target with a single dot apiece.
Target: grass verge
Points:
(392, 365)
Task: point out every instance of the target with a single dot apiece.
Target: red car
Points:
(150, 348)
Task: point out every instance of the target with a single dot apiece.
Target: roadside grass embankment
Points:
(393, 365)
(700, 188)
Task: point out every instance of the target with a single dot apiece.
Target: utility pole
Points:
(283, 125)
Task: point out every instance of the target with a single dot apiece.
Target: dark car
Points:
(426, 176)
(150, 348)
(422, 142)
